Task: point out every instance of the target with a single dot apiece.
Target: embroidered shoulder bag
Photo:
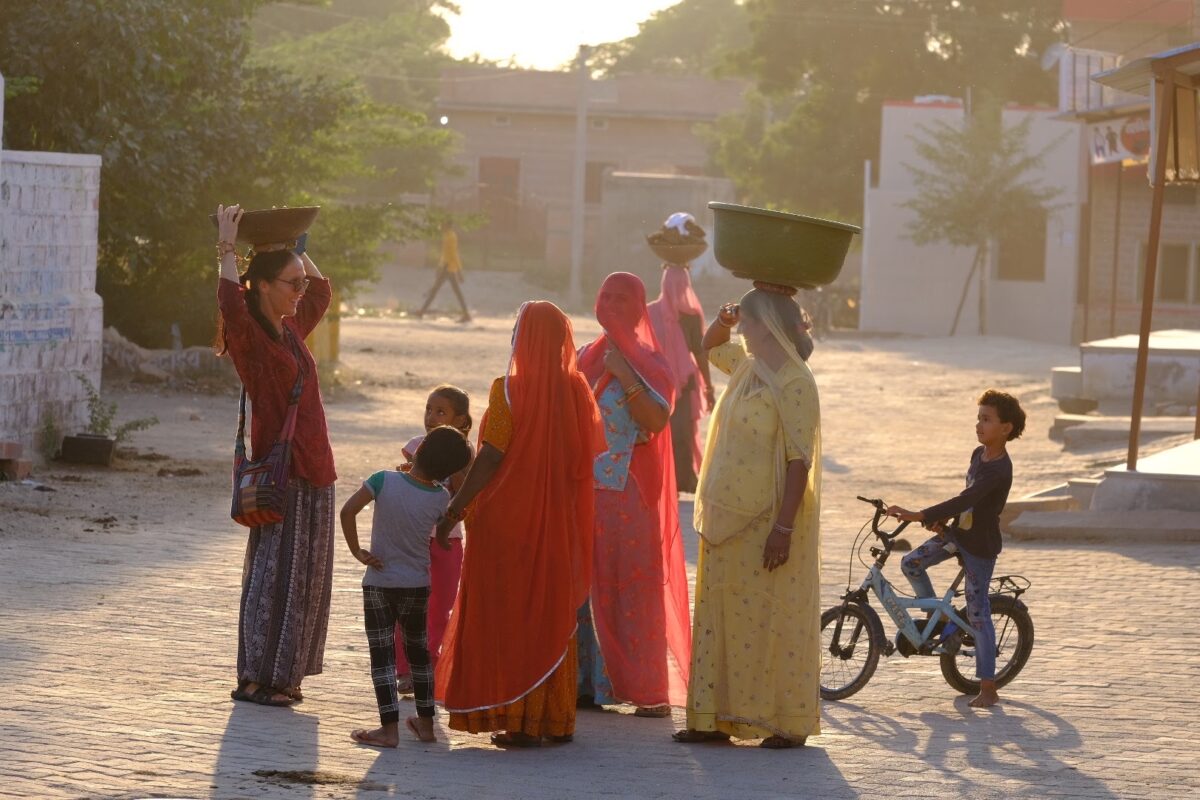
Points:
(260, 487)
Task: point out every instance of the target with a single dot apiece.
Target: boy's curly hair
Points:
(1008, 408)
(443, 452)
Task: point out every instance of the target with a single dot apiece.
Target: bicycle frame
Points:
(897, 607)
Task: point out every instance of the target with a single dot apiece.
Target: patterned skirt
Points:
(286, 585)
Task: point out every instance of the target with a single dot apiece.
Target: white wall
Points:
(50, 314)
(909, 288)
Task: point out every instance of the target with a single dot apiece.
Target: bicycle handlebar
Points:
(880, 513)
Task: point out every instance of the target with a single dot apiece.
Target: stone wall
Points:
(50, 315)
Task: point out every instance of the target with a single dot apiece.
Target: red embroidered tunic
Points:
(268, 370)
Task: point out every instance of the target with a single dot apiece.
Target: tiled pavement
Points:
(116, 652)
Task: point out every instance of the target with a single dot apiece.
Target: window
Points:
(501, 120)
(599, 123)
(593, 181)
(1178, 277)
(1022, 250)
(1179, 195)
(1173, 263)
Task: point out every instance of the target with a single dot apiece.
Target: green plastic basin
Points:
(778, 247)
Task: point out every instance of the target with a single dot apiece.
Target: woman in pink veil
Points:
(678, 323)
(635, 634)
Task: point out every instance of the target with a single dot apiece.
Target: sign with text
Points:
(1120, 139)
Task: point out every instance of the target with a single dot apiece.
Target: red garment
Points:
(632, 574)
(675, 299)
(527, 567)
(445, 569)
(268, 370)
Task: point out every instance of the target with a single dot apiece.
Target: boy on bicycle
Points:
(976, 535)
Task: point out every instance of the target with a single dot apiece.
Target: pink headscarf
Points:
(675, 299)
(621, 312)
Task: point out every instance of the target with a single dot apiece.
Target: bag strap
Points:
(289, 423)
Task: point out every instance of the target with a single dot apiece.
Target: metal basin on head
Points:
(779, 247)
(274, 226)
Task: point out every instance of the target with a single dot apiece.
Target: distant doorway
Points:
(499, 183)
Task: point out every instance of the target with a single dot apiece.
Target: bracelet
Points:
(782, 529)
(634, 388)
(225, 247)
(725, 324)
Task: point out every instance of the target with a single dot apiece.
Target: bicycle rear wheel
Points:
(1014, 643)
(851, 641)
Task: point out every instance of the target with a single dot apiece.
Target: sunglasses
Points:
(297, 284)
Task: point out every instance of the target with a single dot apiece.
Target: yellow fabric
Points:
(738, 487)
(450, 258)
(498, 425)
(756, 634)
(548, 710)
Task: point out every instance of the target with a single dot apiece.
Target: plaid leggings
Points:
(383, 608)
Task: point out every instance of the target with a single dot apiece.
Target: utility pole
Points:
(582, 84)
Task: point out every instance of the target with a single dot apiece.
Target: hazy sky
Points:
(543, 33)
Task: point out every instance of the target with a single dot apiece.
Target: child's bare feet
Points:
(384, 736)
(987, 696)
(421, 727)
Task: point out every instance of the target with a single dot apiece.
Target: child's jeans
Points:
(383, 608)
(445, 568)
(979, 606)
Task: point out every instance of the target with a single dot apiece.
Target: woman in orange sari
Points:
(508, 659)
(640, 651)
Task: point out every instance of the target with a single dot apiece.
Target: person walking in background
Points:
(449, 269)
(265, 313)
(634, 636)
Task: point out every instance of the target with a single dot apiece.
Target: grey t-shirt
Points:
(406, 510)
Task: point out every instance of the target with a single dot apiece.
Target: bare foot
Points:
(421, 727)
(987, 696)
(383, 736)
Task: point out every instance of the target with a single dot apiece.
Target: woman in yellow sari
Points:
(756, 628)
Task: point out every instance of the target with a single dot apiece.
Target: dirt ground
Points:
(897, 417)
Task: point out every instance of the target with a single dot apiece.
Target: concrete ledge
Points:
(1056, 502)
(1127, 527)
(50, 159)
(1080, 430)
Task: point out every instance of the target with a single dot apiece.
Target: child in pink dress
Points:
(447, 405)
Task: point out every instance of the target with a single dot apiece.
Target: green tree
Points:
(692, 37)
(183, 117)
(977, 181)
(822, 70)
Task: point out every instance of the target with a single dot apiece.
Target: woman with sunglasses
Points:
(265, 314)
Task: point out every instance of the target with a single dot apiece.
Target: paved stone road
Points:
(116, 652)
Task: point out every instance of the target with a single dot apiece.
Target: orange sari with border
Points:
(508, 657)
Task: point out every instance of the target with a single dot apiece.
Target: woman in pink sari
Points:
(635, 634)
(679, 326)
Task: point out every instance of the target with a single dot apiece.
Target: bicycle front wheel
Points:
(851, 640)
(1014, 643)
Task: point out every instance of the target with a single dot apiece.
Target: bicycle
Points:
(852, 635)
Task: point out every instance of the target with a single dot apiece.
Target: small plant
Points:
(49, 437)
(102, 413)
